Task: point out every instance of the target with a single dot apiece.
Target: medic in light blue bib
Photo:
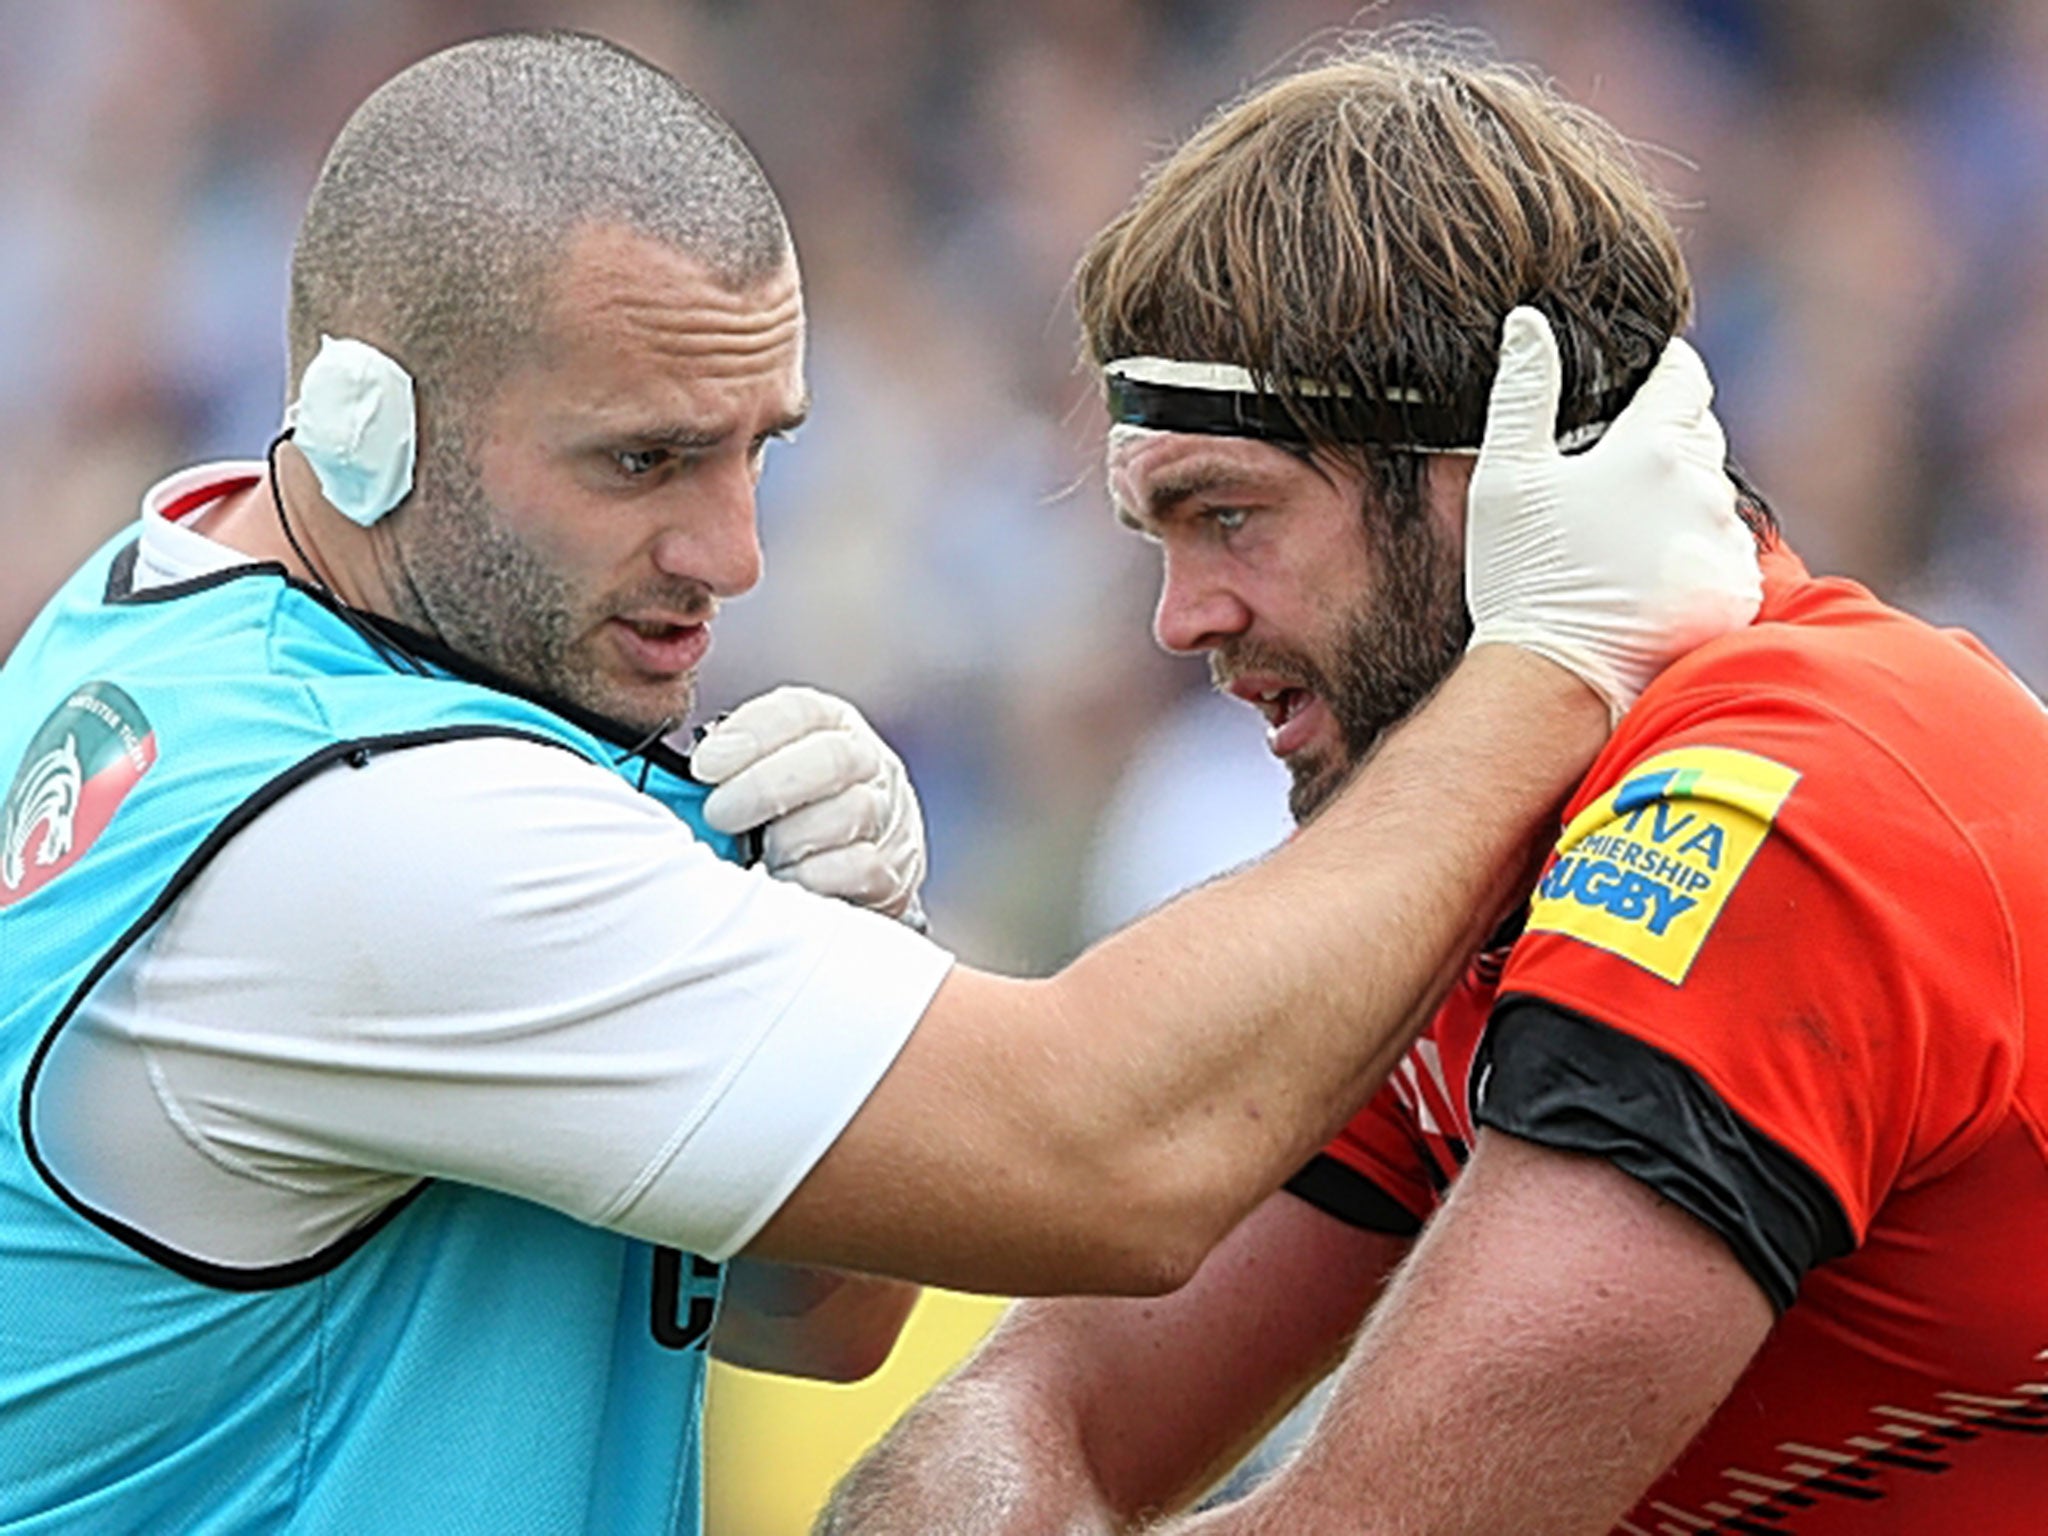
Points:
(466, 1362)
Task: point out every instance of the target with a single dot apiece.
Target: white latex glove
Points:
(1616, 561)
(840, 815)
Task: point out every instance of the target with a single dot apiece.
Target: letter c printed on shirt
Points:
(1644, 871)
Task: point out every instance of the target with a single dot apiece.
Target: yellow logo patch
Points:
(1645, 870)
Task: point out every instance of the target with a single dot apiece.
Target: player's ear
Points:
(1446, 482)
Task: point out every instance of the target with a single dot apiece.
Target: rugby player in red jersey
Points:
(1712, 1200)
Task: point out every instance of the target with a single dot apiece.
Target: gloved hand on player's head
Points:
(1616, 561)
(838, 811)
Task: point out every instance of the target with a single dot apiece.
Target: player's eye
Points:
(1227, 519)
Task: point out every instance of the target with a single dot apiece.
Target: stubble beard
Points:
(489, 596)
(1393, 646)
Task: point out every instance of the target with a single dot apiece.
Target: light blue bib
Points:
(467, 1363)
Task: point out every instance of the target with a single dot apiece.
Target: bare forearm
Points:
(1257, 1013)
(1103, 1130)
(971, 1460)
(1098, 1412)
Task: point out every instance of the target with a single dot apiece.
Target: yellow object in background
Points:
(775, 1446)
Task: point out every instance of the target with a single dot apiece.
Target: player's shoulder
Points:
(1830, 669)
(1820, 641)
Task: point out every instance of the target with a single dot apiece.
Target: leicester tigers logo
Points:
(47, 802)
(79, 768)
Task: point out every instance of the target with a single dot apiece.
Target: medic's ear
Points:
(354, 422)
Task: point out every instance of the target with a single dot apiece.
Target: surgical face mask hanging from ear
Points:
(354, 422)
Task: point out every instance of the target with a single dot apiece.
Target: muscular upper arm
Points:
(1558, 1337)
(1005, 1152)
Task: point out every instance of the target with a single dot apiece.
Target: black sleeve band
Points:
(1562, 1080)
(1345, 1193)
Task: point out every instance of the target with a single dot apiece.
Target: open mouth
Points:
(661, 648)
(651, 629)
(1280, 705)
(1294, 714)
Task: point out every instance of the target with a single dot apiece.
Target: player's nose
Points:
(1197, 611)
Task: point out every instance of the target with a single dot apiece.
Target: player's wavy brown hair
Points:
(1370, 220)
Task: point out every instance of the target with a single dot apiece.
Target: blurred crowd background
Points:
(1865, 200)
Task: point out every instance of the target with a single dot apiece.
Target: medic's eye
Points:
(637, 463)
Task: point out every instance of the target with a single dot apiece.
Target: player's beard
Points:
(1388, 652)
(488, 595)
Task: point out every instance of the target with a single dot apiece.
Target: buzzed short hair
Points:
(451, 193)
(1367, 224)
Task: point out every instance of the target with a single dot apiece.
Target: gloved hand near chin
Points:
(838, 813)
(1616, 561)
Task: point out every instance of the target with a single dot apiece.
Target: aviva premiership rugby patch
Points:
(77, 771)
(1644, 870)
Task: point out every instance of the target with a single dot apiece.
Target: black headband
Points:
(1224, 400)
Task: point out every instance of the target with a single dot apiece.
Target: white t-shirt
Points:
(485, 960)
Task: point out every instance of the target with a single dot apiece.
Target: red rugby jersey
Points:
(1811, 867)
